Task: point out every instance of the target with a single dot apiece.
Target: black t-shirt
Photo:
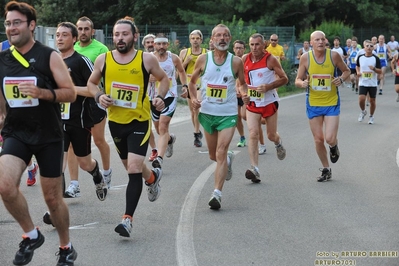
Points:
(80, 68)
(33, 125)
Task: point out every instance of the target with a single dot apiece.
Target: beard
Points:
(222, 48)
(124, 49)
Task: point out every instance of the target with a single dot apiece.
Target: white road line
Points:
(84, 226)
(185, 251)
(397, 157)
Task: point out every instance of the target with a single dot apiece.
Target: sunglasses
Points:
(369, 45)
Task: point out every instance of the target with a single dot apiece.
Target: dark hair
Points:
(84, 18)
(70, 26)
(239, 42)
(22, 8)
(128, 20)
(337, 38)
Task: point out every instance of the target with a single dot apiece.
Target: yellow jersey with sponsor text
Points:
(127, 86)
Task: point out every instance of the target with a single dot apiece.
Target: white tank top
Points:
(169, 67)
(218, 90)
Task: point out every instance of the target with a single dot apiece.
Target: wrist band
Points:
(160, 97)
(342, 81)
(97, 97)
(54, 95)
(185, 85)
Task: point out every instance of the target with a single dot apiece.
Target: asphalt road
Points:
(287, 219)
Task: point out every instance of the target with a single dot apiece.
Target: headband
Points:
(161, 39)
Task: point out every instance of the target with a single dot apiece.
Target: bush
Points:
(331, 29)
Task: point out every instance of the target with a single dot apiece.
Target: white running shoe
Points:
(281, 152)
(73, 191)
(229, 175)
(253, 175)
(107, 178)
(154, 189)
(371, 120)
(215, 201)
(262, 149)
(169, 149)
(125, 227)
(362, 115)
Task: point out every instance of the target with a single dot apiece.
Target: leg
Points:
(102, 145)
(316, 127)
(73, 165)
(253, 122)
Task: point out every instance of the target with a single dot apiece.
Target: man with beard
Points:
(261, 69)
(128, 106)
(148, 44)
(189, 56)
(91, 48)
(34, 80)
(219, 70)
(169, 62)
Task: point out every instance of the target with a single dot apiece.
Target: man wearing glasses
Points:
(276, 49)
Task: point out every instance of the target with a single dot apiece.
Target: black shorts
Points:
(132, 137)
(396, 80)
(49, 156)
(353, 71)
(97, 113)
(372, 91)
(240, 102)
(80, 138)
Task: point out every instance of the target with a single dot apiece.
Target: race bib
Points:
(65, 110)
(125, 95)
(254, 96)
(216, 93)
(14, 97)
(321, 82)
(367, 75)
(381, 55)
(353, 60)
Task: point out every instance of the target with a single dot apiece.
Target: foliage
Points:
(331, 29)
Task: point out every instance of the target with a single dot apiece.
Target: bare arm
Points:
(65, 91)
(185, 61)
(2, 111)
(238, 67)
(275, 65)
(339, 63)
(182, 74)
(94, 80)
(192, 86)
(301, 80)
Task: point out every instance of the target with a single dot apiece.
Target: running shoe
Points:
(362, 115)
(397, 98)
(154, 154)
(242, 143)
(73, 191)
(32, 175)
(215, 201)
(157, 163)
(197, 139)
(380, 93)
(253, 175)
(371, 120)
(281, 153)
(262, 149)
(334, 153)
(66, 256)
(47, 219)
(169, 149)
(107, 178)
(230, 155)
(154, 189)
(101, 190)
(125, 227)
(326, 175)
(26, 248)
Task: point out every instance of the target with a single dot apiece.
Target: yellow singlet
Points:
(322, 92)
(127, 85)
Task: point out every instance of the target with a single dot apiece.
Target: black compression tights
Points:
(133, 192)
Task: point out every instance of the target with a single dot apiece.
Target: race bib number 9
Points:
(14, 97)
(65, 110)
(125, 95)
(216, 93)
(321, 82)
(254, 95)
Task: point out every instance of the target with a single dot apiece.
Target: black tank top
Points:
(32, 125)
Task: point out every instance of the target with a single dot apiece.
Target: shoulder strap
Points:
(19, 57)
